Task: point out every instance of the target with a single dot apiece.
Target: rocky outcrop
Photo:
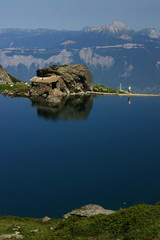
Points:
(88, 211)
(45, 219)
(61, 79)
(15, 235)
(6, 78)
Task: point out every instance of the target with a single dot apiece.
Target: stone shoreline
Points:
(119, 94)
(12, 94)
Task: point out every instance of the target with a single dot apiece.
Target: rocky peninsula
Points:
(53, 83)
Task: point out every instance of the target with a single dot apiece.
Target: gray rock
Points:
(10, 94)
(5, 77)
(5, 92)
(95, 89)
(26, 94)
(46, 219)
(88, 211)
(34, 231)
(15, 229)
(16, 235)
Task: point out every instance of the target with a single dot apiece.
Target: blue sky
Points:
(76, 14)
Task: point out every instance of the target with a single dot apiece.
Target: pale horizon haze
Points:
(75, 14)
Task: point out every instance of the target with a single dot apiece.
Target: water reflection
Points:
(70, 107)
(129, 100)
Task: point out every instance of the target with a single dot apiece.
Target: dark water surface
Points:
(102, 151)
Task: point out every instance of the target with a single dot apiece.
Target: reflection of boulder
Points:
(68, 107)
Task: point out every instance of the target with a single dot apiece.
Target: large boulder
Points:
(73, 78)
(6, 78)
(88, 211)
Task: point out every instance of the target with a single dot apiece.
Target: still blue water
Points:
(102, 151)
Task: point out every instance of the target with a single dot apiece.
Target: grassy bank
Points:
(19, 89)
(104, 89)
(138, 222)
(15, 87)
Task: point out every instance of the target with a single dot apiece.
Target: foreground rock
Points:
(15, 235)
(88, 211)
(58, 80)
(45, 219)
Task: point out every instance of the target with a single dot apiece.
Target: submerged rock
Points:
(61, 79)
(88, 211)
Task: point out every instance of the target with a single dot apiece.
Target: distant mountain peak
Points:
(117, 27)
(114, 27)
(151, 32)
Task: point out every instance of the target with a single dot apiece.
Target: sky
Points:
(77, 14)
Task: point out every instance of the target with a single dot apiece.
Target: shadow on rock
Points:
(69, 107)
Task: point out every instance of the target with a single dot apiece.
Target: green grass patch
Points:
(104, 89)
(135, 223)
(15, 88)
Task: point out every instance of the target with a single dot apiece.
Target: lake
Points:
(102, 150)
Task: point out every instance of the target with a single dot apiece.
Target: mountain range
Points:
(114, 53)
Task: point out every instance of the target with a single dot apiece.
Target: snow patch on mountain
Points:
(94, 59)
(64, 57)
(154, 33)
(115, 27)
(67, 42)
(151, 32)
(126, 45)
(125, 37)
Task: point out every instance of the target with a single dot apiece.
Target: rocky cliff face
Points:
(66, 79)
(4, 76)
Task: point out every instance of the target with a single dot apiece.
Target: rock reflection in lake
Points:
(70, 107)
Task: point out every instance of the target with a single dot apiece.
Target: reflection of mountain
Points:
(73, 107)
